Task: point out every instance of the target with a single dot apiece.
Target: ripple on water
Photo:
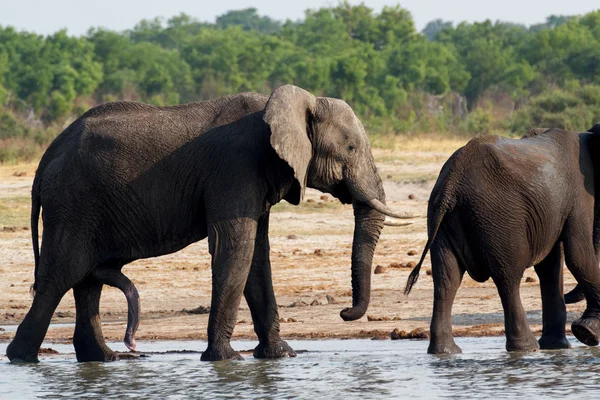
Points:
(333, 369)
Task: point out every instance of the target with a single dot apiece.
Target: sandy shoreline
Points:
(310, 255)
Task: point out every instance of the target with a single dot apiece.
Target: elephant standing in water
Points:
(502, 205)
(127, 181)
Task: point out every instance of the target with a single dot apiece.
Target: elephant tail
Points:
(434, 225)
(36, 205)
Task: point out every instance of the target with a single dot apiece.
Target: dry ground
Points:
(310, 254)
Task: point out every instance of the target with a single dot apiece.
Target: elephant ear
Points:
(288, 113)
(595, 129)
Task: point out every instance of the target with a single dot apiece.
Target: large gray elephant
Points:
(502, 205)
(127, 181)
(576, 294)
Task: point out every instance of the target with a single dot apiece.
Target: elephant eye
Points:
(351, 148)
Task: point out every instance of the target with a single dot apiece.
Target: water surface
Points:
(331, 369)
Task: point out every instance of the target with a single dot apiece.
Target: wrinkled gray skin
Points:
(501, 205)
(576, 295)
(128, 181)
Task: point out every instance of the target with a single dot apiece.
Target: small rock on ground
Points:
(380, 269)
(418, 333)
(197, 310)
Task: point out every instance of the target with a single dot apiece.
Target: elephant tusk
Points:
(385, 210)
(393, 222)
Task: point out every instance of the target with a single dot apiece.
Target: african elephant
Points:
(127, 181)
(502, 205)
(576, 294)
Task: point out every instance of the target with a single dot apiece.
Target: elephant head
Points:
(325, 144)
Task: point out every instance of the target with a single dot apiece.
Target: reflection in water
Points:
(336, 369)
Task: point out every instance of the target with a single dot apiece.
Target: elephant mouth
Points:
(342, 193)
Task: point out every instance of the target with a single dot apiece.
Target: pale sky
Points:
(77, 16)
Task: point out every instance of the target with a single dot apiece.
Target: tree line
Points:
(466, 78)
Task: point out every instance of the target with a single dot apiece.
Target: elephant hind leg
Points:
(113, 276)
(581, 261)
(59, 270)
(88, 339)
(31, 332)
(518, 335)
(447, 276)
(554, 311)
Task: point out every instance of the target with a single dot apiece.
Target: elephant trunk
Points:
(367, 228)
(368, 223)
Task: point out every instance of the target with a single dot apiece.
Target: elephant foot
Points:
(130, 356)
(554, 342)
(21, 354)
(526, 345)
(587, 330)
(98, 356)
(87, 350)
(220, 353)
(278, 349)
(443, 348)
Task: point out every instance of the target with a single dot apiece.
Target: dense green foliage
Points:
(470, 78)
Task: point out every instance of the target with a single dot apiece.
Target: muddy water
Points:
(332, 369)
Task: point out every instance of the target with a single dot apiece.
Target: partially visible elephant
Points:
(501, 205)
(576, 294)
(127, 181)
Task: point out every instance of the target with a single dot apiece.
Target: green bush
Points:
(576, 111)
(479, 122)
(458, 79)
(20, 139)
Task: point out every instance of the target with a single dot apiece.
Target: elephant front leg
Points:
(554, 311)
(88, 339)
(231, 244)
(447, 276)
(261, 299)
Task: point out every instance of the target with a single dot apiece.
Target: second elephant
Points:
(502, 205)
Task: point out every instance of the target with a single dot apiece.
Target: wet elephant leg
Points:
(88, 339)
(447, 275)
(58, 272)
(518, 335)
(554, 311)
(261, 299)
(231, 244)
(31, 332)
(577, 294)
(581, 261)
